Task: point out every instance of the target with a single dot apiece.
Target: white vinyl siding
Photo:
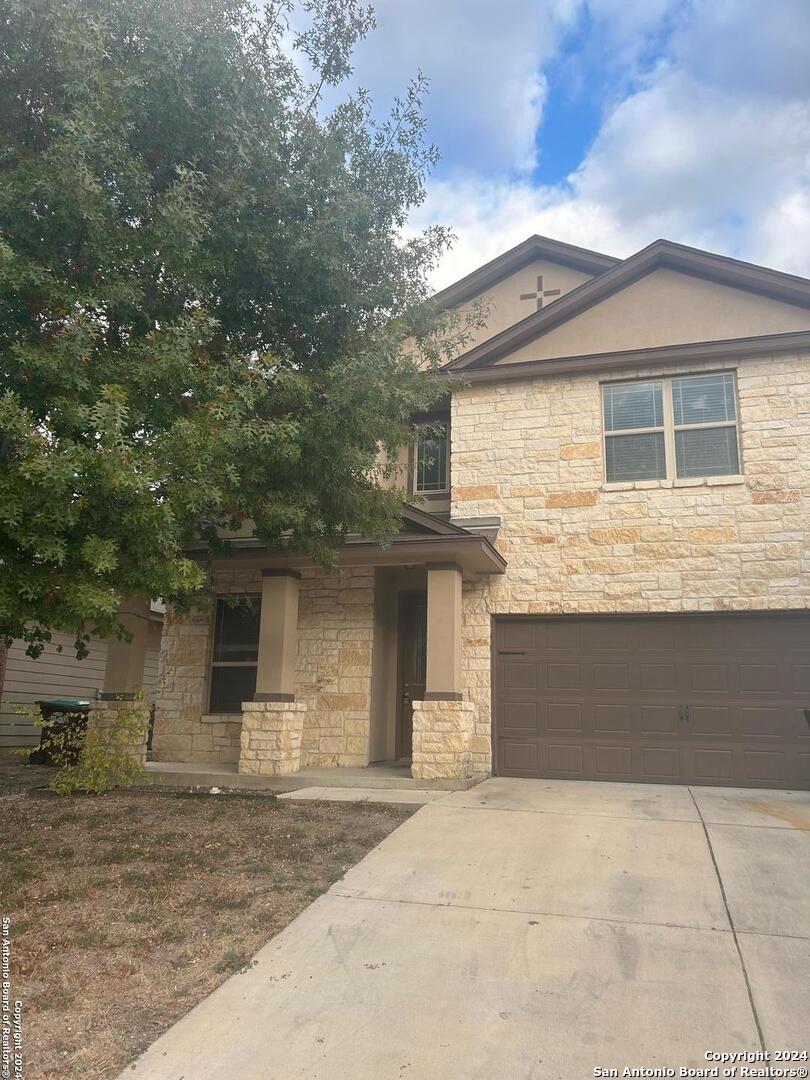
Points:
(674, 428)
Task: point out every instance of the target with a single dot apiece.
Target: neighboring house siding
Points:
(57, 674)
(335, 637)
(531, 451)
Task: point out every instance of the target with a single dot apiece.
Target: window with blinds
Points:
(685, 426)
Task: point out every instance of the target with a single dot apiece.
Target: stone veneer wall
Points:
(335, 637)
(531, 451)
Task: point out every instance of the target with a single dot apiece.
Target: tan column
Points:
(123, 670)
(443, 681)
(278, 636)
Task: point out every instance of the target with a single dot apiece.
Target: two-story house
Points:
(605, 572)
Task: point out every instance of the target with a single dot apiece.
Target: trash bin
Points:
(73, 713)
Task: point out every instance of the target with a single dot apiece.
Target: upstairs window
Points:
(674, 428)
(430, 473)
(235, 654)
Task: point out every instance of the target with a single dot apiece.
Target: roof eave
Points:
(661, 253)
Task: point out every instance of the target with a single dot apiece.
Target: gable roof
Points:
(422, 521)
(660, 254)
(528, 251)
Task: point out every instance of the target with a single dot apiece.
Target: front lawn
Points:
(128, 908)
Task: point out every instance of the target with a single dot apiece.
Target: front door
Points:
(411, 664)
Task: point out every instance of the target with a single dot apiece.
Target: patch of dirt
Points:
(128, 908)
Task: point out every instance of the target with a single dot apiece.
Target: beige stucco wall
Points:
(503, 303)
(335, 636)
(665, 308)
(531, 451)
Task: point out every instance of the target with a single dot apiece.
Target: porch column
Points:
(273, 722)
(278, 636)
(123, 682)
(443, 678)
(123, 670)
(443, 723)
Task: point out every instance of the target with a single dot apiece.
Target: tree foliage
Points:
(205, 295)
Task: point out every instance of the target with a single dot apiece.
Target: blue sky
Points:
(608, 123)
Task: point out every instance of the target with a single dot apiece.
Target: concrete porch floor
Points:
(386, 775)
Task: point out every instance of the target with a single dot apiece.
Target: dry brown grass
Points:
(128, 908)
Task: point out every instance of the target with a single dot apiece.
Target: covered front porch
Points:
(339, 671)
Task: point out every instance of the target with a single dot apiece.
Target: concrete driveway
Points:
(531, 928)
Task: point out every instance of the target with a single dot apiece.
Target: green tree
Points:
(206, 302)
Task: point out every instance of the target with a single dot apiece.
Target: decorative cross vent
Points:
(540, 294)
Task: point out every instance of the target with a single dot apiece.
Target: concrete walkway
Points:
(530, 929)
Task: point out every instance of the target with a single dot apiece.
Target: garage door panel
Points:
(521, 717)
(710, 720)
(564, 676)
(765, 766)
(614, 676)
(709, 678)
(659, 676)
(661, 762)
(520, 635)
(567, 758)
(563, 635)
(762, 722)
(598, 635)
(564, 717)
(613, 718)
(711, 699)
(713, 766)
(613, 761)
(520, 758)
(660, 719)
(519, 675)
(760, 678)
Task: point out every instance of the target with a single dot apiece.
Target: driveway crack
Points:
(736, 939)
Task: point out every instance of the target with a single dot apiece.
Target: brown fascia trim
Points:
(535, 247)
(728, 349)
(401, 551)
(661, 253)
(430, 521)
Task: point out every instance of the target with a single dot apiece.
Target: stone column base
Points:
(442, 734)
(105, 715)
(271, 737)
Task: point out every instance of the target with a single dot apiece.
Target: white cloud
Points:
(709, 145)
(485, 64)
(489, 217)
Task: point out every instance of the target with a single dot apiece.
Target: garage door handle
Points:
(807, 716)
(512, 652)
(683, 714)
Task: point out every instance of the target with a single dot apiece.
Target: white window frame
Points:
(669, 427)
(433, 491)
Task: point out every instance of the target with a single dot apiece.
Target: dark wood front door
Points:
(411, 664)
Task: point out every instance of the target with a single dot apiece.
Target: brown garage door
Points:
(698, 699)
